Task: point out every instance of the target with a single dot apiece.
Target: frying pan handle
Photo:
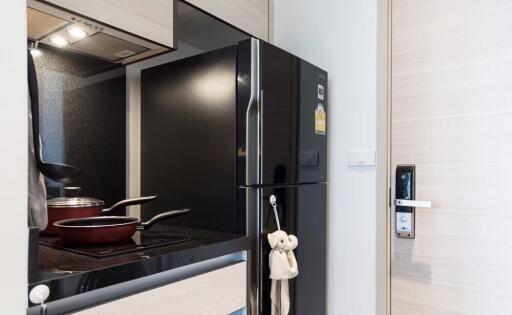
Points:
(129, 202)
(168, 214)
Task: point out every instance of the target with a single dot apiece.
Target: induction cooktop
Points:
(140, 241)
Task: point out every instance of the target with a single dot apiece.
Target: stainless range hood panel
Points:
(104, 42)
(107, 47)
(40, 24)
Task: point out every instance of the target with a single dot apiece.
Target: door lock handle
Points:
(413, 203)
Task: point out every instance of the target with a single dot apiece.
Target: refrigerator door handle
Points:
(260, 136)
(253, 121)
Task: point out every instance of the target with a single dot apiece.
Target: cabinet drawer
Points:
(218, 292)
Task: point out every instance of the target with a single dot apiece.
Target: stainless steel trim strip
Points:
(252, 116)
(253, 206)
(259, 119)
(253, 177)
(260, 134)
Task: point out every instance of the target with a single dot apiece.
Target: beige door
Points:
(451, 108)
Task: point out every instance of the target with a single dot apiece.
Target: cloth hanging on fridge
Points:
(283, 265)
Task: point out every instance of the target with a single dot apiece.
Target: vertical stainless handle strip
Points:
(252, 177)
(260, 140)
(255, 260)
(252, 128)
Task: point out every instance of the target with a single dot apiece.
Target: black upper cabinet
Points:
(188, 139)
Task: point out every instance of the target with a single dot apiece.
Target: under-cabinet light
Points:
(35, 52)
(76, 32)
(59, 41)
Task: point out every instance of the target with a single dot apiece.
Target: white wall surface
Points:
(341, 37)
(13, 158)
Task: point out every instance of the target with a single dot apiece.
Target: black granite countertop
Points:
(67, 273)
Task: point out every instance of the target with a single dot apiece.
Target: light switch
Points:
(361, 157)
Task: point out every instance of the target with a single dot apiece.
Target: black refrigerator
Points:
(282, 146)
(223, 131)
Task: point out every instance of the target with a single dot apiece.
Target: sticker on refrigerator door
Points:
(320, 92)
(320, 119)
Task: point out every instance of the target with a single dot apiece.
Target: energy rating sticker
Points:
(320, 119)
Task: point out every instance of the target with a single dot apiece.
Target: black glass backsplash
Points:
(83, 121)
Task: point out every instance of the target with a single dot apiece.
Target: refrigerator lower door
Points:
(302, 212)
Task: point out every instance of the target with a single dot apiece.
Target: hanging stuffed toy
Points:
(283, 265)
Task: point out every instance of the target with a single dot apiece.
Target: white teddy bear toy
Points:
(283, 266)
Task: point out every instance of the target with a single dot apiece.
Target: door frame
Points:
(383, 207)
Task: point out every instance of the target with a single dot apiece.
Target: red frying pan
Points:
(99, 230)
(73, 206)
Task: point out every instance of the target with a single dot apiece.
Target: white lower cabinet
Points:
(218, 292)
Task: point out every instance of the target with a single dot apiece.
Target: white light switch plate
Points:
(361, 157)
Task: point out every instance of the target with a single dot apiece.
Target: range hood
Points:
(66, 30)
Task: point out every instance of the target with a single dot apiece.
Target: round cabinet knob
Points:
(403, 219)
(39, 294)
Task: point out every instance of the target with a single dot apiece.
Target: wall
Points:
(82, 105)
(13, 166)
(341, 37)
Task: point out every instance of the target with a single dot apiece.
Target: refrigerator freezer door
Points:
(302, 212)
(291, 101)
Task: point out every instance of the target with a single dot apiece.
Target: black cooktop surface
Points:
(66, 270)
(139, 241)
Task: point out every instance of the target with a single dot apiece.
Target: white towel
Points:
(283, 266)
(280, 296)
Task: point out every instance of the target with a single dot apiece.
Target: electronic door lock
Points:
(405, 205)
